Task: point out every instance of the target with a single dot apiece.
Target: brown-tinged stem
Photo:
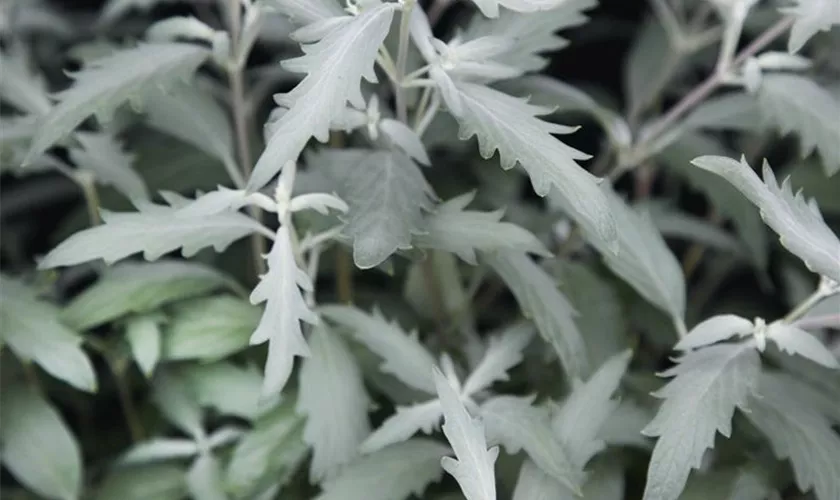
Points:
(132, 419)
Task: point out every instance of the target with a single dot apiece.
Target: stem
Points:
(132, 419)
(86, 182)
(669, 21)
(815, 298)
(343, 264)
(711, 83)
(402, 60)
(430, 114)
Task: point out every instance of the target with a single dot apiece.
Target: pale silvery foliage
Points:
(501, 302)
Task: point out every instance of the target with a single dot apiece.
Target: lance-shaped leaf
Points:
(811, 17)
(797, 221)
(403, 424)
(578, 422)
(394, 473)
(155, 230)
(699, 402)
(793, 340)
(335, 66)
(473, 466)
(517, 425)
(209, 328)
(402, 353)
(490, 8)
(204, 478)
(32, 330)
(503, 352)
(159, 450)
(509, 124)
(715, 329)
(106, 83)
(306, 12)
(177, 399)
(102, 154)
(144, 337)
(540, 300)
(38, 448)
(796, 104)
(22, 87)
(387, 194)
(280, 289)
(532, 34)
(643, 259)
(332, 395)
(159, 481)
(798, 432)
(453, 229)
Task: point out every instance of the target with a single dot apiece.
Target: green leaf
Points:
(387, 194)
(204, 479)
(798, 432)
(650, 64)
(393, 473)
(473, 465)
(22, 86)
(797, 221)
(138, 288)
(177, 400)
(811, 17)
(541, 301)
(38, 448)
(332, 396)
(102, 154)
(462, 232)
(699, 402)
(503, 352)
(227, 388)
(32, 330)
(106, 83)
(335, 63)
(144, 338)
(158, 481)
(209, 328)
(272, 450)
(509, 125)
(797, 104)
(280, 289)
(606, 482)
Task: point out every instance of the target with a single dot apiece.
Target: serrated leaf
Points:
(144, 338)
(509, 125)
(393, 473)
(796, 104)
(155, 230)
(793, 340)
(105, 84)
(403, 424)
(797, 221)
(503, 352)
(192, 115)
(698, 403)
(715, 329)
(271, 450)
(158, 481)
(32, 330)
(132, 287)
(335, 66)
(643, 260)
(103, 155)
(402, 353)
(209, 328)
(578, 422)
(38, 448)
(798, 432)
(473, 465)
(280, 289)
(532, 34)
(540, 300)
(463, 232)
(811, 16)
(387, 195)
(516, 425)
(332, 396)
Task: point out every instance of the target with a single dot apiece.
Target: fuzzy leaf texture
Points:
(698, 403)
(38, 448)
(510, 125)
(793, 340)
(796, 104)
(463, 232)
(473, 466)
(798, 432)
(503, 352)
(103, 155)
(305, 12)
(811, 16)
(797, 221)
(387, 195)
(154, 230)
(541, 301)
(490, 8)
(280, 288)
(404, 423)
(713, 330)
(334, 65)
(332, 395)
(33, 331)
(393, 473)
(604, 483)
(106, 83)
